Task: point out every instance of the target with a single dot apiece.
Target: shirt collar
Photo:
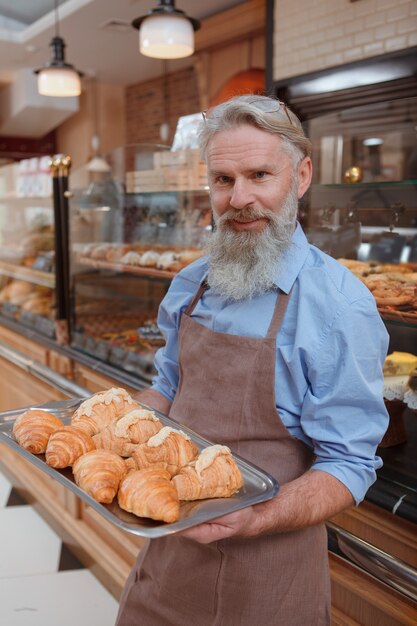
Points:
(290, 264)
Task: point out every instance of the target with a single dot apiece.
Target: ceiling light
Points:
(166, 32)
(373, 141)
(58, 78)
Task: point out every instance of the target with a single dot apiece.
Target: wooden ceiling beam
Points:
(242, 20)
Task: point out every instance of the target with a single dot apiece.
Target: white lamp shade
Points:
(59, 82)
(166, 37)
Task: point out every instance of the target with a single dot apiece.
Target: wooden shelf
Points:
(127, 269)
(20, 272)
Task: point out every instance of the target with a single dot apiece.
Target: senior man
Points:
(263, 354)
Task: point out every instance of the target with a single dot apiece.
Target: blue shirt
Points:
(330, 352)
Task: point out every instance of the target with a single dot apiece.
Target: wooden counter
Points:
(107, 551)
(358, 598)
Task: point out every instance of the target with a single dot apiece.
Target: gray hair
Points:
(263, 112)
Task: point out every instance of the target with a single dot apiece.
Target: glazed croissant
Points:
(169, 449)
(150, 493)
(213, 475)
(97, 412)
(33, 428)
(123, 435)
(66, 445)
(99, 473)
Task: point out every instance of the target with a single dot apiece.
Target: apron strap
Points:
(277, 317)
(279, 313)
(203, 287)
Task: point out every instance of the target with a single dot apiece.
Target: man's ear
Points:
(304, 172)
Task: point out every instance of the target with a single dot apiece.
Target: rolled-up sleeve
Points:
(344, 413)
(166, 358)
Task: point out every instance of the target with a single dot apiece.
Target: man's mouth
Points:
(249, 223)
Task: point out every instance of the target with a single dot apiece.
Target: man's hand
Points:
(237, 524)
(310, 499)
(154, 400)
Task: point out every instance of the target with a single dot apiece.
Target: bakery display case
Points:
(27, 245)
(363, 201)
(136, 218)
(362, 209)
(362, 205)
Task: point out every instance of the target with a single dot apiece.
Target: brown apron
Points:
(227, 394)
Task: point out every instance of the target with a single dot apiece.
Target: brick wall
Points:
(145, 105)
(311, 35)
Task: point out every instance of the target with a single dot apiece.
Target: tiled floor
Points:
(41, 581)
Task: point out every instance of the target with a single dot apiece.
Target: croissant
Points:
(66, 445)
(150, 493)
(95, 413)
(99, 473)
(130, 464)
(33, 428)
(213, 475)
(123, 435)
(169, 449)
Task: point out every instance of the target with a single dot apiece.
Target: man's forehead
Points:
(244, 130)
(249, 150)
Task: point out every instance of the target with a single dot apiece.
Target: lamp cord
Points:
(56, 19)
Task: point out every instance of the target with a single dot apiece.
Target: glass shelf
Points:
(368, 184)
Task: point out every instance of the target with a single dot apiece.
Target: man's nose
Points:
(240, 195)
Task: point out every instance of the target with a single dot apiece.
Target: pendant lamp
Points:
(58, 78)
(166, 32)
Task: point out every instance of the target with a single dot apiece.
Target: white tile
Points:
(5, 489)
(27, 544)
(61, 599)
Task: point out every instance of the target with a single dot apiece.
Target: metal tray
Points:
(258, 485)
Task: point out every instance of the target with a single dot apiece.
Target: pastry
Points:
(28, 261)
(149, 258)
(412, 381)
(4, 293)
(100, 251)
(354, 265)
(99, 473)
(213, 475)
(33, 428)
(130, 464)
(188, 256)
(123, 435)
(66, 445)
(400, 364)
(115, 253)
(149, 493)
(36, 242)
(85, 250)
(38, 305)
(399, 268)
(169, 449)
(17, 292)
(169, 261)
(388, 293)
(131, 258)
(94, 414)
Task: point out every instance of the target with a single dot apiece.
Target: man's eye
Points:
(260, 174)
(223, 179)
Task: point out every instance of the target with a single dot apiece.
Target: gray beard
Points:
(243, 264)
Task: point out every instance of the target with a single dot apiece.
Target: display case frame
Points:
(28, 248)
(151, 220)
